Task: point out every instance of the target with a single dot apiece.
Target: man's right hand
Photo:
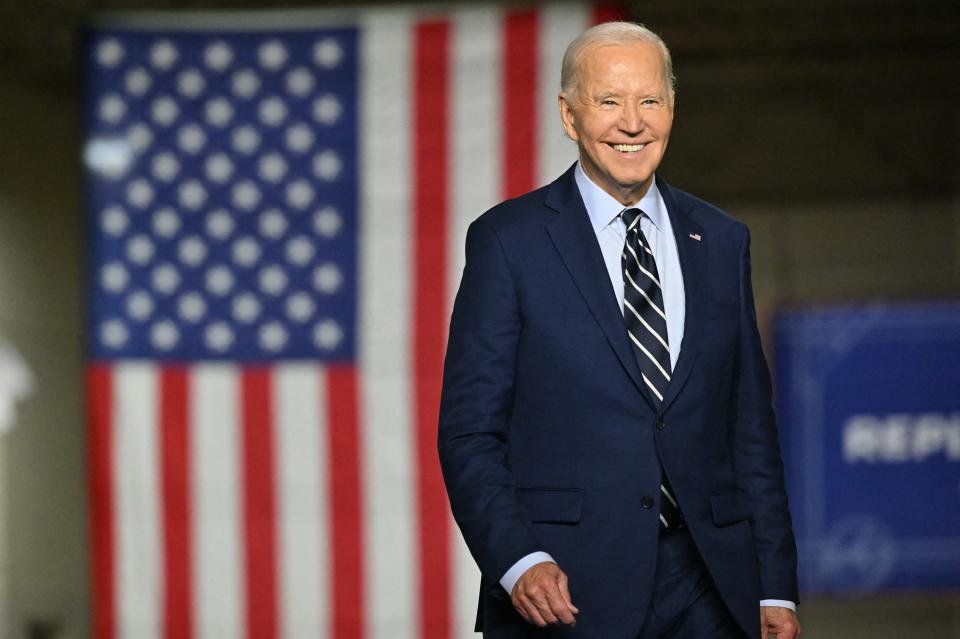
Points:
(542, 597)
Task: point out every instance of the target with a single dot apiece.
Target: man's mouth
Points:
(628, 148)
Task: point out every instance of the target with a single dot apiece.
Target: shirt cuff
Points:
(780, 603)
(509, 580)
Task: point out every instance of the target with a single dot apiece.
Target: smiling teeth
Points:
(628, 148)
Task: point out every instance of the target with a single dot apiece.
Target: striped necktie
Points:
(646, 320)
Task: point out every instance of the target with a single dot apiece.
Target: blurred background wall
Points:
(830, 127)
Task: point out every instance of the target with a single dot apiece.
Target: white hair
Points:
(611, 33)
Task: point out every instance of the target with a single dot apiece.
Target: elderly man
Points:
(606, 431)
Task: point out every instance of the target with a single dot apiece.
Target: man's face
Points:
(620, 117)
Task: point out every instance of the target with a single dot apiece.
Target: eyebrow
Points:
(613, 94)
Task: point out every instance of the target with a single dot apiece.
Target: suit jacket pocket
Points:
(551, 505)
(729, 507)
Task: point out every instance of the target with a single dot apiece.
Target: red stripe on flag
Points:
(259, 508)
(100, 466)
(346, 502)
(175, 477)
(431, 144)
(607, 12)
(520, 69)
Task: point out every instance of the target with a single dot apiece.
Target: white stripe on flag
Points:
(301, 408)
(385, 332)
(559, 25)
(137, 485)
(217, 490)
(476, 126)
(477, 148)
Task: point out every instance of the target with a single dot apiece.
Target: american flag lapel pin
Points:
(696, 236)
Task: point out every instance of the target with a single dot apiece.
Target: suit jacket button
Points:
(647, 502)
(661, 424)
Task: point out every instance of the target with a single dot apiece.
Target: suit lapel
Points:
(575, 241)
(693, 263)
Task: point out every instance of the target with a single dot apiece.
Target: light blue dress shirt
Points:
(604, 212)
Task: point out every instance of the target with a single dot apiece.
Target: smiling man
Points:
(606, 431)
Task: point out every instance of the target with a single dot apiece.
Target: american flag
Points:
(277, 205)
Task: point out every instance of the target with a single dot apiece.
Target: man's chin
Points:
(636, 185)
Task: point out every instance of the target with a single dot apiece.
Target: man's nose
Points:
(632, 121)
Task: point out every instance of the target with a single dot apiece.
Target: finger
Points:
(533, 613)
(786, 631)
(545, 609)
(522, 611)
(789, 630)
(563, 585)
(786, 627)
(764, 633)
(560, 609)
(520, 604)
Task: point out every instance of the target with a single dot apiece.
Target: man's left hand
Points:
(779, 621)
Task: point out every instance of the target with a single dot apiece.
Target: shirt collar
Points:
(603, 208)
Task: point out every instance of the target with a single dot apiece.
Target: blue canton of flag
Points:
(224, 192)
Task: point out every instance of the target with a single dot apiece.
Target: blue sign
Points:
(869, 406)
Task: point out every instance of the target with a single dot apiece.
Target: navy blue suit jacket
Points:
(548, 442)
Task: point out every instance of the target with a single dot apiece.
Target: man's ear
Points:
(567, 116)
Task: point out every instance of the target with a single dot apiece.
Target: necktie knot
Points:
(631, 218)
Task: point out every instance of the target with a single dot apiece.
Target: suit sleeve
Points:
(478, 387)
(757, 452)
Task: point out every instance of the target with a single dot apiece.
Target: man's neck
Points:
(628, 197)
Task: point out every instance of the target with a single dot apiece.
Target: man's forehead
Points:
(601, 49)
(601, 63)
